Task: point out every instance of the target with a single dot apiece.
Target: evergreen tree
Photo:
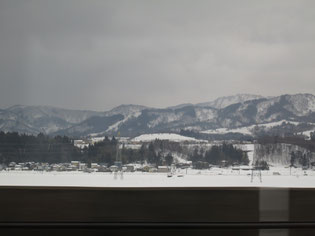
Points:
(292, 159)
(169, 159)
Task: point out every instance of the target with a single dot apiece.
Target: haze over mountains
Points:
(252, 113)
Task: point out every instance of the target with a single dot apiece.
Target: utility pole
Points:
(256, 171)
(118, 162)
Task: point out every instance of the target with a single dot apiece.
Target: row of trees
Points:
(225, 154)
(298, 158)
(16, 147)
(40, 148)
(294, 140)
(157, 152)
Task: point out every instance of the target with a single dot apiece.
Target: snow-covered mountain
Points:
(95, 125)
(223, 102)
(298, 107)
(126, 110)
(10, 121)
(180, 106)
(45, 119)
(107, 124)
(52, 120)
(252, 113)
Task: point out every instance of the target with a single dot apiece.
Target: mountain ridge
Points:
(132, 120)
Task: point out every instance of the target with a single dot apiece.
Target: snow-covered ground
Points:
(308, 133)
(216, 177)
(247, 130)
(164, 136)
(242, 130)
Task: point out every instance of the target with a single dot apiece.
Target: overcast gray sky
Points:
(99, 54)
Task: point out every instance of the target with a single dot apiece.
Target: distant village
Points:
(94, 167)
(202, 154)
(99, 167)
(105, 154)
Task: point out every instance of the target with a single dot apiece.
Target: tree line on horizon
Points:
(15, 147)
(292, 139)
(222, 155)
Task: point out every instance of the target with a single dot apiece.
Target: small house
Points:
(162, 169)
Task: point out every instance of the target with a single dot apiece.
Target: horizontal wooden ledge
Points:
(91, 225)
(255, 188)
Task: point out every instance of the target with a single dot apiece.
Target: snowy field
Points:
(248, 130)
(165, 136)
(277, 177)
